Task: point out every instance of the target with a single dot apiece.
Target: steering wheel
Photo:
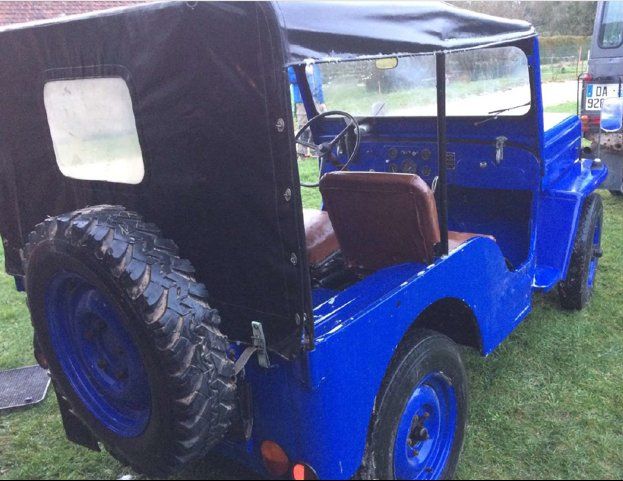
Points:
(325, 149)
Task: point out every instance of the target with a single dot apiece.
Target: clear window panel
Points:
(493, 81)
(363, 89)
(93, 129)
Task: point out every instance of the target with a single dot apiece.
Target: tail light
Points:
(303, 472)
(588, 120)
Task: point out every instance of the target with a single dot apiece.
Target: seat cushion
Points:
(320, 237)
(456, 239)
(381, 219)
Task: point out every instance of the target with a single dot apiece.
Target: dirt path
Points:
(555, 93)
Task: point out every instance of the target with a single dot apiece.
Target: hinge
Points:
(499, 149)
(259, 342)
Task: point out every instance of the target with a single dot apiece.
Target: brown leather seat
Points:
(319, 236)
(383, 219)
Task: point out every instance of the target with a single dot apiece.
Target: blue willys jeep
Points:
(185, 302)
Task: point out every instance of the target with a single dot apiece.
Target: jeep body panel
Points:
(318, 409)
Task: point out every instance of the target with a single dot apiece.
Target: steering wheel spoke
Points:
(326, 148)
(309, 145)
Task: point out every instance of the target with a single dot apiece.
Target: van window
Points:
(94, 130)
(612, 25)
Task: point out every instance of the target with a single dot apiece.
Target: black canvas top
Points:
(211, 101)
(330, 31)
(324, 31)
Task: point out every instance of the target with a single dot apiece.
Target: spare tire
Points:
(130, 340)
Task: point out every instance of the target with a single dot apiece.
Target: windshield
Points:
(612, 25)
(479, 83)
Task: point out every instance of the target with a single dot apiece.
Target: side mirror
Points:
(612, 115)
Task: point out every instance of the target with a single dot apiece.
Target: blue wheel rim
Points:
(98, 355)
(594, 263)
(432, 407)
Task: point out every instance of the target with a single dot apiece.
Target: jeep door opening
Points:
(185, 302)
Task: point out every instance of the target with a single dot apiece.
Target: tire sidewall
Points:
(575, 292)
(432, 353)
(594, 220)
(49, 259)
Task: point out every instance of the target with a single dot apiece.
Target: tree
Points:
(549, 18)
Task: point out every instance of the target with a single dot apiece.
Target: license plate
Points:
(597, 93)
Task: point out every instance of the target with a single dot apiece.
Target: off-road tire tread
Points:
(173, 305)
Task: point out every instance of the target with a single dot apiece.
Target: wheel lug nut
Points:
(102, 364)
(121, 375)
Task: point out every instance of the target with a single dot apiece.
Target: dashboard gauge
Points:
(393, 167)
(426, 171)
(426, 154)
(409, 167)
(392, 153)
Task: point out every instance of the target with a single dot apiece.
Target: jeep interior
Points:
(377, 163)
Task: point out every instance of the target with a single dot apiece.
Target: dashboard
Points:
(469, 164)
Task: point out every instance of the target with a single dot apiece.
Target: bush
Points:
(563, 46)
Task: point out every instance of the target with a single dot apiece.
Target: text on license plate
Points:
(596, 93)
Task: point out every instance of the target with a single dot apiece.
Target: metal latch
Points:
(259, 342)
(499, 149)
(259, 346)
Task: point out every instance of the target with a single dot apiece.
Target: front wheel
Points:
(576, 291)
(422, 412)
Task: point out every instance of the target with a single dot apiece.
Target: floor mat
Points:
(23, 387)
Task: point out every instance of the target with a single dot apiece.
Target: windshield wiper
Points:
(496, 113)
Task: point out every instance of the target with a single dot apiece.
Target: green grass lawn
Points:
(547, 404)
(570, 108)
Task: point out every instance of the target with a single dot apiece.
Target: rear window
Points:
(94, 130)
(611, 35)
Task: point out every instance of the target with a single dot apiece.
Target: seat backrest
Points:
(381, 219)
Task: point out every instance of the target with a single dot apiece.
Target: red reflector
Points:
(587, 77)
(275, 459)
(301, 472)
(590, 119)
